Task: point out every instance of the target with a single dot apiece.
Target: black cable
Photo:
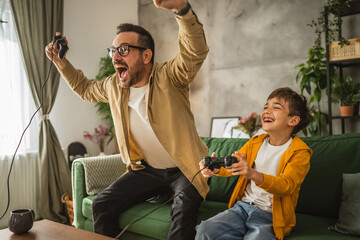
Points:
(153, 210)
(22, 135)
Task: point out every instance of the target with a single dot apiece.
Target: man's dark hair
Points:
(298, 106)
(145, 39)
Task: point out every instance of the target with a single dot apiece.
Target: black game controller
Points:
(218, 162)
(62, 46)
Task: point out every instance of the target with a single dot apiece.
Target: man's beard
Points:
(136, 74)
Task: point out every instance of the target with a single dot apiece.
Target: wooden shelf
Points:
(340, 117)
(352, 10)
(346, 63)
(355, 62)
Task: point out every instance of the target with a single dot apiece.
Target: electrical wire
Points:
(22, 135)
(153, 210)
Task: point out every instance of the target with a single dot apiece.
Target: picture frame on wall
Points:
(222, 127)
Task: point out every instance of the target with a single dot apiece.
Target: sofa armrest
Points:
(90, 176)
(78, 192)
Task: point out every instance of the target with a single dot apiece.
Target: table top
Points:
(46, 229)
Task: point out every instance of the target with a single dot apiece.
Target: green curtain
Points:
(36, 22)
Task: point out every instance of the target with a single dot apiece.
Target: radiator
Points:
(24, 184)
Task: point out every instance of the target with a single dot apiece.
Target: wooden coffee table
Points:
(46, 230)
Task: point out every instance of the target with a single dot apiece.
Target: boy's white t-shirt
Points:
(267, 161)
(154, 152)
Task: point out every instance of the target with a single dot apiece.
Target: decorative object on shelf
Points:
(250, 125)
(98, 137)
(347, 92)
(347, 52)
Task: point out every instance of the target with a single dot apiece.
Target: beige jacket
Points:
(168, 104)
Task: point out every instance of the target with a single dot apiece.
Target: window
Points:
(16, 102)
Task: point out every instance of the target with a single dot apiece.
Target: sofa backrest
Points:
(221, 188)
(320, 193)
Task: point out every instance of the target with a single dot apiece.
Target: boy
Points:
(272, 167)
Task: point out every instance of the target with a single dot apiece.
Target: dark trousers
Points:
(136, 186)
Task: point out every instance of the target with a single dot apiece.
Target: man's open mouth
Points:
(123, 72)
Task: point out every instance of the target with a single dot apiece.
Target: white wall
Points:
(90, 27)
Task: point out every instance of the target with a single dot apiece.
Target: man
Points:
(154, 125)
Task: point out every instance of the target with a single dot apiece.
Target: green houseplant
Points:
(347, 92)
(312, 73)
(312, 78)
(105, 70)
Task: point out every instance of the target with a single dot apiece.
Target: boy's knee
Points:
(203, 231)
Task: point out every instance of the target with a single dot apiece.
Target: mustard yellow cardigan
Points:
(293, 167)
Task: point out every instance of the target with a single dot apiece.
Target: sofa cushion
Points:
(157, 224)
(349, 215)
(315, 228)
(320, 193)
(87, 206)
(221, 188)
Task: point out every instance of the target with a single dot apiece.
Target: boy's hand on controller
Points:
(241, 167)
(206, 172)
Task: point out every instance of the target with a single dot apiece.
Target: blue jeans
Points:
(242, 221)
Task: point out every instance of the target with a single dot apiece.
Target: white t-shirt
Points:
(154, 153)
(267, 161)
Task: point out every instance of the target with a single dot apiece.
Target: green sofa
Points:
(317, 209)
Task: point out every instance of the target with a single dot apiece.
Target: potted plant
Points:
(312, 78)
(98, 137)
(347, 92)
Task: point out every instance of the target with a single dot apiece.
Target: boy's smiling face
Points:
(275, 116)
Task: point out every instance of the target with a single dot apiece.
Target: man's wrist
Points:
(60, 65)
(183, 11)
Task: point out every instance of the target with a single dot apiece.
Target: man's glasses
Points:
(123, 50)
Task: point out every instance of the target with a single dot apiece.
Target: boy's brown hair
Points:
(297, 106)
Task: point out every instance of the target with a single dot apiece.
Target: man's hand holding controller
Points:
(59, 48)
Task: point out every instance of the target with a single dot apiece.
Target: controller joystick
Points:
(62, 46)
(218, 162)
